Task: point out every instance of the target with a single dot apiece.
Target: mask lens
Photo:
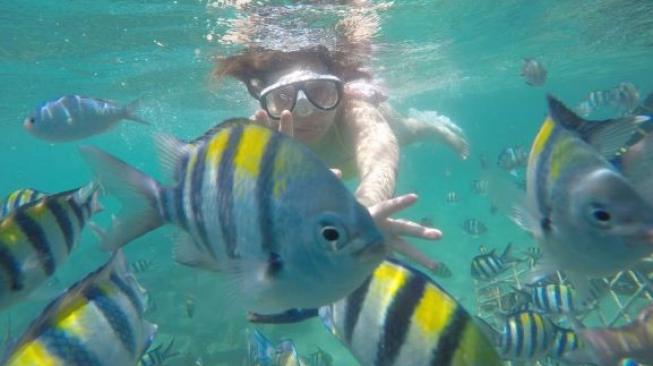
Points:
(322, 93)
(280, 99)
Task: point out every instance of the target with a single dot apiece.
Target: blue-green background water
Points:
(461, 58)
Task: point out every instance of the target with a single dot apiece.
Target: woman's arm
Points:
(376, 151)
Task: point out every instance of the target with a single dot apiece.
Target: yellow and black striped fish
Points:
(401, 317)
(36, 238)
(258, 205)
(96, 322)
(526, 335)
(18, 198)
(565, 341)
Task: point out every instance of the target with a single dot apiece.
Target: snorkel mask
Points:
(298, 88)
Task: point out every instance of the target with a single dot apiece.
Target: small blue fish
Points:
(18, 198)
(589, 219)
(36, 238)
(74, 117)
(97, 321)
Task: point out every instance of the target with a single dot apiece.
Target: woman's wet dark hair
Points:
(254, 66)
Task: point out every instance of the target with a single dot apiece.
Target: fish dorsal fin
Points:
(607, 136)
(171, 152)
(221, 125)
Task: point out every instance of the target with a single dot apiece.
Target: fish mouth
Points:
(373, 249)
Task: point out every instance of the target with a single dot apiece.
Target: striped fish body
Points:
(96, 322)
(256, 204)
(526, 336)
(74, 117)
(19, 198)
(487, 266)
(587, 217)
(474, 227)
(554, 298)
(565, 341)
(35, 239)
(401, 317)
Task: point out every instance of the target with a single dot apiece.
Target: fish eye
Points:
(601, 215)
(331, 233)
(32, 120)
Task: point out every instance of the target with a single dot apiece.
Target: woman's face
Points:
(310, 123)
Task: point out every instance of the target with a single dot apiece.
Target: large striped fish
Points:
(259, 207)
(399, 316)
(18, 198)
(96, 322)
(36, 238)
(589, 219)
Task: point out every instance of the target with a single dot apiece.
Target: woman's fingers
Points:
(261, 118)
(400, 227)
(387, 208)
(286, 123)
(337, 172)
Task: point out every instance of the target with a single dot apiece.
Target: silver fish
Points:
(623, 98)
(74, 117)
(533, 72)
(588, 218)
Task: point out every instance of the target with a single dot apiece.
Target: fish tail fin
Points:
(138, 192)
(131, 112)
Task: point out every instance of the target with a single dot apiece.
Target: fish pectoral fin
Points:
(186, 252)
(286, 317)
(524, 218)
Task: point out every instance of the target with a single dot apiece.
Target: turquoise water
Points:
(460, 58)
